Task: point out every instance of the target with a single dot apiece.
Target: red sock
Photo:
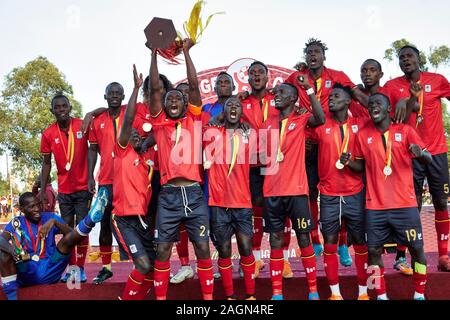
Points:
(133, 287)
(162, 273)
(401, 248)
(106, 252)
(73, 257)
(206, 277)
(442, 223)
(257, 227)
(420, 280)
(248, 267)
(147, 285)
(182, 246)
(315, 216)
(361, 255)
(287, 233)
(343, 235)
(331, 263)
(226, 272)
(309, 263)
(276, 271)
(377, 276)
(82, 249)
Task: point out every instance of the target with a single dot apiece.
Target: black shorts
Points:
(156, 188)
(134, 239)
(106, 219)
(76, 205)
(437, 177)
(294, 207)
(256, 183)
(401, 226)
(172, 210)
(350, 208)
(227, 221)
(312, 170)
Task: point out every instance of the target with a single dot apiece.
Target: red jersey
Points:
(104, 131)
(71, 158)
(132, 181)
(257, 111)
(431, 129)
(179, 146)
(228, 177)
(396, 190)
(322, 86)
(334, 138)
(288, 177)
(358, 110)
(51, 196)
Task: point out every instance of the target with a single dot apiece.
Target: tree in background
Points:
(25, 113)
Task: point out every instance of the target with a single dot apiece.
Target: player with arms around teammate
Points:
(384, 149)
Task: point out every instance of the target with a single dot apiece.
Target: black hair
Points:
(113, 84)
(25, 196)
(409, 47)
(346, 89)
(316, 42)
(259, 63)
(383, 95)
(376, 62)
(223, 73)
(232, 97)
(182, 84)
(59, 96)
(166, 83)
(293, 88)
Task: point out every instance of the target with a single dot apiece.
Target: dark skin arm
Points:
(405, 107)
(156, 103)
(45, 229)
(423, 156)
(89, 117)
(194, 91)
(148, 143)
(360, 96)
(356, 165)
(92, 160)
(45, 173)
(130, 112)
(318, 116)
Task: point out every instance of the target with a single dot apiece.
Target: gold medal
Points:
(35, 258)
(68, 166)
(147, 127)
(387, 171)
(339, 165)
(207, 165)
(280, 157)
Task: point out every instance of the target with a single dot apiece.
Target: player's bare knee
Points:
(303, 239)
(358, 240)
(225, 250)
(143, 265)
(276, 240)
(163, 251)
(440, 204)
(418, 254)
(202, 249)
(330, 238)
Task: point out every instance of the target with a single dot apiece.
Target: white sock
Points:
(9, 278)
(257, 255)
(362, 290)
(335, 290)
(383, 297)
(418, 295)
(286, 255)
(186, 267)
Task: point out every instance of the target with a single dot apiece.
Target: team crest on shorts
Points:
(79, 134)
(328, 84)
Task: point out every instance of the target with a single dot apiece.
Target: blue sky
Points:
(96, 42)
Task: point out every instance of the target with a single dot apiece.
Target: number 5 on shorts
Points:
(446, 188)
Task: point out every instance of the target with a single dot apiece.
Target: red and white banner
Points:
(239, 71)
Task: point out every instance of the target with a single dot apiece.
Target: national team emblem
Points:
(249, 106)
(398, 137)
(102, 126)
(57, 140)
(401, 89)
(245, 139)
(355, 128)
(155, 147)
(150, 163)
(79, 134)
(291, 127)
(428, 88)
(328, 131)
(136, 162)
(369, 140)
(328, 84)
(272, 103)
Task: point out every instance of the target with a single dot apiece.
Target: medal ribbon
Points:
(342, 148)
(35, 242)
(282, 134)
(318, 88)
(178, 132)
(265, 109)
(70, 144)
(420, 106)
(234, 152)
(388, 139)
(150, 176)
